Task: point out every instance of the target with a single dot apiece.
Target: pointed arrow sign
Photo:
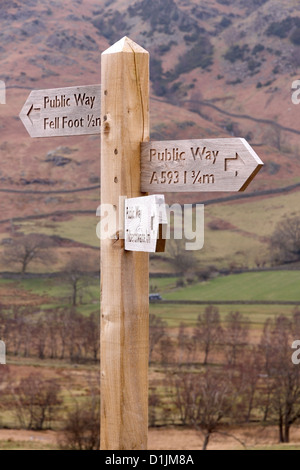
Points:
(198, 165)
(62, 111)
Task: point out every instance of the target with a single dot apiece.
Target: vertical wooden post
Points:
(124, 275)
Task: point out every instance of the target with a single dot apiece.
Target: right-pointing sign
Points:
(198, 165)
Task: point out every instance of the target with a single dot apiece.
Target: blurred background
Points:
(221, 374)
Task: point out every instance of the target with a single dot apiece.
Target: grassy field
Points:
(51, 293)
(81, 229)
(271, 286)
(260, 286)
(236, 232)
(173, 315)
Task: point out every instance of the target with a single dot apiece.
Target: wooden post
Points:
(124, 275)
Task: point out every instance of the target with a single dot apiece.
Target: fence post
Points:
(124, 275)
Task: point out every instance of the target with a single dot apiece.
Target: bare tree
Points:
(92, 336)
(167, 350)
(186, 349)
(235, 335)
(247, 376)
(285, 241)
(157, 331)
(36, 402)
(28, 248)
(51, 320)
(215, 403)
(77, 270)
(265, 348)
(208, 331)
(185, 386)
(203, 400)
(41, 336)
(154, 402)
(183, 260)
(282, 376)
(82, 425)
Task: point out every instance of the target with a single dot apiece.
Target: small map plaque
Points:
(144, 221)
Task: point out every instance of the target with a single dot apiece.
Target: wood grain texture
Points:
(124, 275)
(62, 111)
(198, 165)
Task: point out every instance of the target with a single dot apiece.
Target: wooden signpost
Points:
(131, 166)
(124, 274)
(62, 111)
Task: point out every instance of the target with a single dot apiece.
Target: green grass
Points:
(45, 287)
(271, 286)
(58, 292)
(251, 223)
(163, 284)
(173, 315)
(274, 286)
(81, 229)
(258, 217)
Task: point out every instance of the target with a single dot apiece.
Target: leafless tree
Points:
(214, 405)
(183, 260)
(154, 402)
(15, 324)
(235, 335)
(285, 241)
(51, 321)
(58, 332)
(82, 425)
(63, 331)
(246, 380)
(208, 331)
(185, 386)
(92, 336)
(203, 400)
(77, 270)
(36, 402)
(281, 376)
(185, 343)
(28, 248)
(157, 331)
(167, 350)
(41, 336)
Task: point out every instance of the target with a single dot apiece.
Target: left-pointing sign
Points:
(63, 111)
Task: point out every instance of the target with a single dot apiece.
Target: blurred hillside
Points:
(218, 68)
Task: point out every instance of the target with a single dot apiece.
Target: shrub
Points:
(225, 22)
(201, 55)
(236, 52)
(258, 48)
(295, 36)
(253, 64)
(82, 428)
(36, 402)
(282, 28)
